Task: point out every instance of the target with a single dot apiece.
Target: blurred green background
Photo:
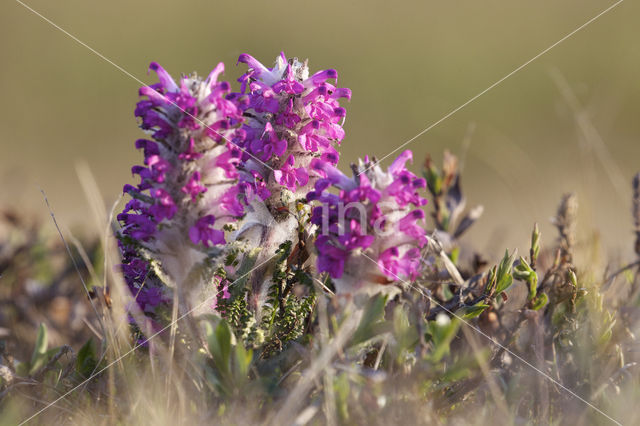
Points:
(408, 64)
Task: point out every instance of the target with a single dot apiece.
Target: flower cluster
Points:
(219, 161)
(291, 118)
(374, 217)
(188, 187)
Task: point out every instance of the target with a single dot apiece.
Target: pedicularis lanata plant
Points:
(297, 293)
(232, 181)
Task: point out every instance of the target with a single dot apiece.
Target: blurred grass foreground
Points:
(537, 339)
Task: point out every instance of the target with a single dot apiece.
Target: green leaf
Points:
(464, 367)
(231, 360)
(87, 360)
(404, 333)
(535, 243)
(213, 380)
(504, 277)
(455, 255)
(434, 181)
(342, 391)
(220, 346)
(525, 273)
(22, 369)
(475, 310)
(539, 302)
(447, 294)
(491, 280)
(504, 283)
(606, 334)
(442, 333)
(39, 356)
(573, 279)
(373, 315)
(242, 360)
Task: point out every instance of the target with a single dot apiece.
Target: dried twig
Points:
(636, 210)
(565, 221)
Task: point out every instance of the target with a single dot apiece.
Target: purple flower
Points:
(268, 145)
(138, 226)
(150, 148)
(291, 118)
(405, 185)
(136, 270)
(371, 219)
(189, 154)
(164, 207)
(158, 168)
(333, 256)
(291, 177)
(253, 185)
(182, 117)
(203, 232)
(230, 201)
(395, 266)
(409, 225)
(229, 162)
(189, 185)
(193, 188)
(223, 292)
(150, 297)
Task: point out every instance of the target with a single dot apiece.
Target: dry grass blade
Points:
(318, 365)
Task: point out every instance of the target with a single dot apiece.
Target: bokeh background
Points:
(568, 121)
